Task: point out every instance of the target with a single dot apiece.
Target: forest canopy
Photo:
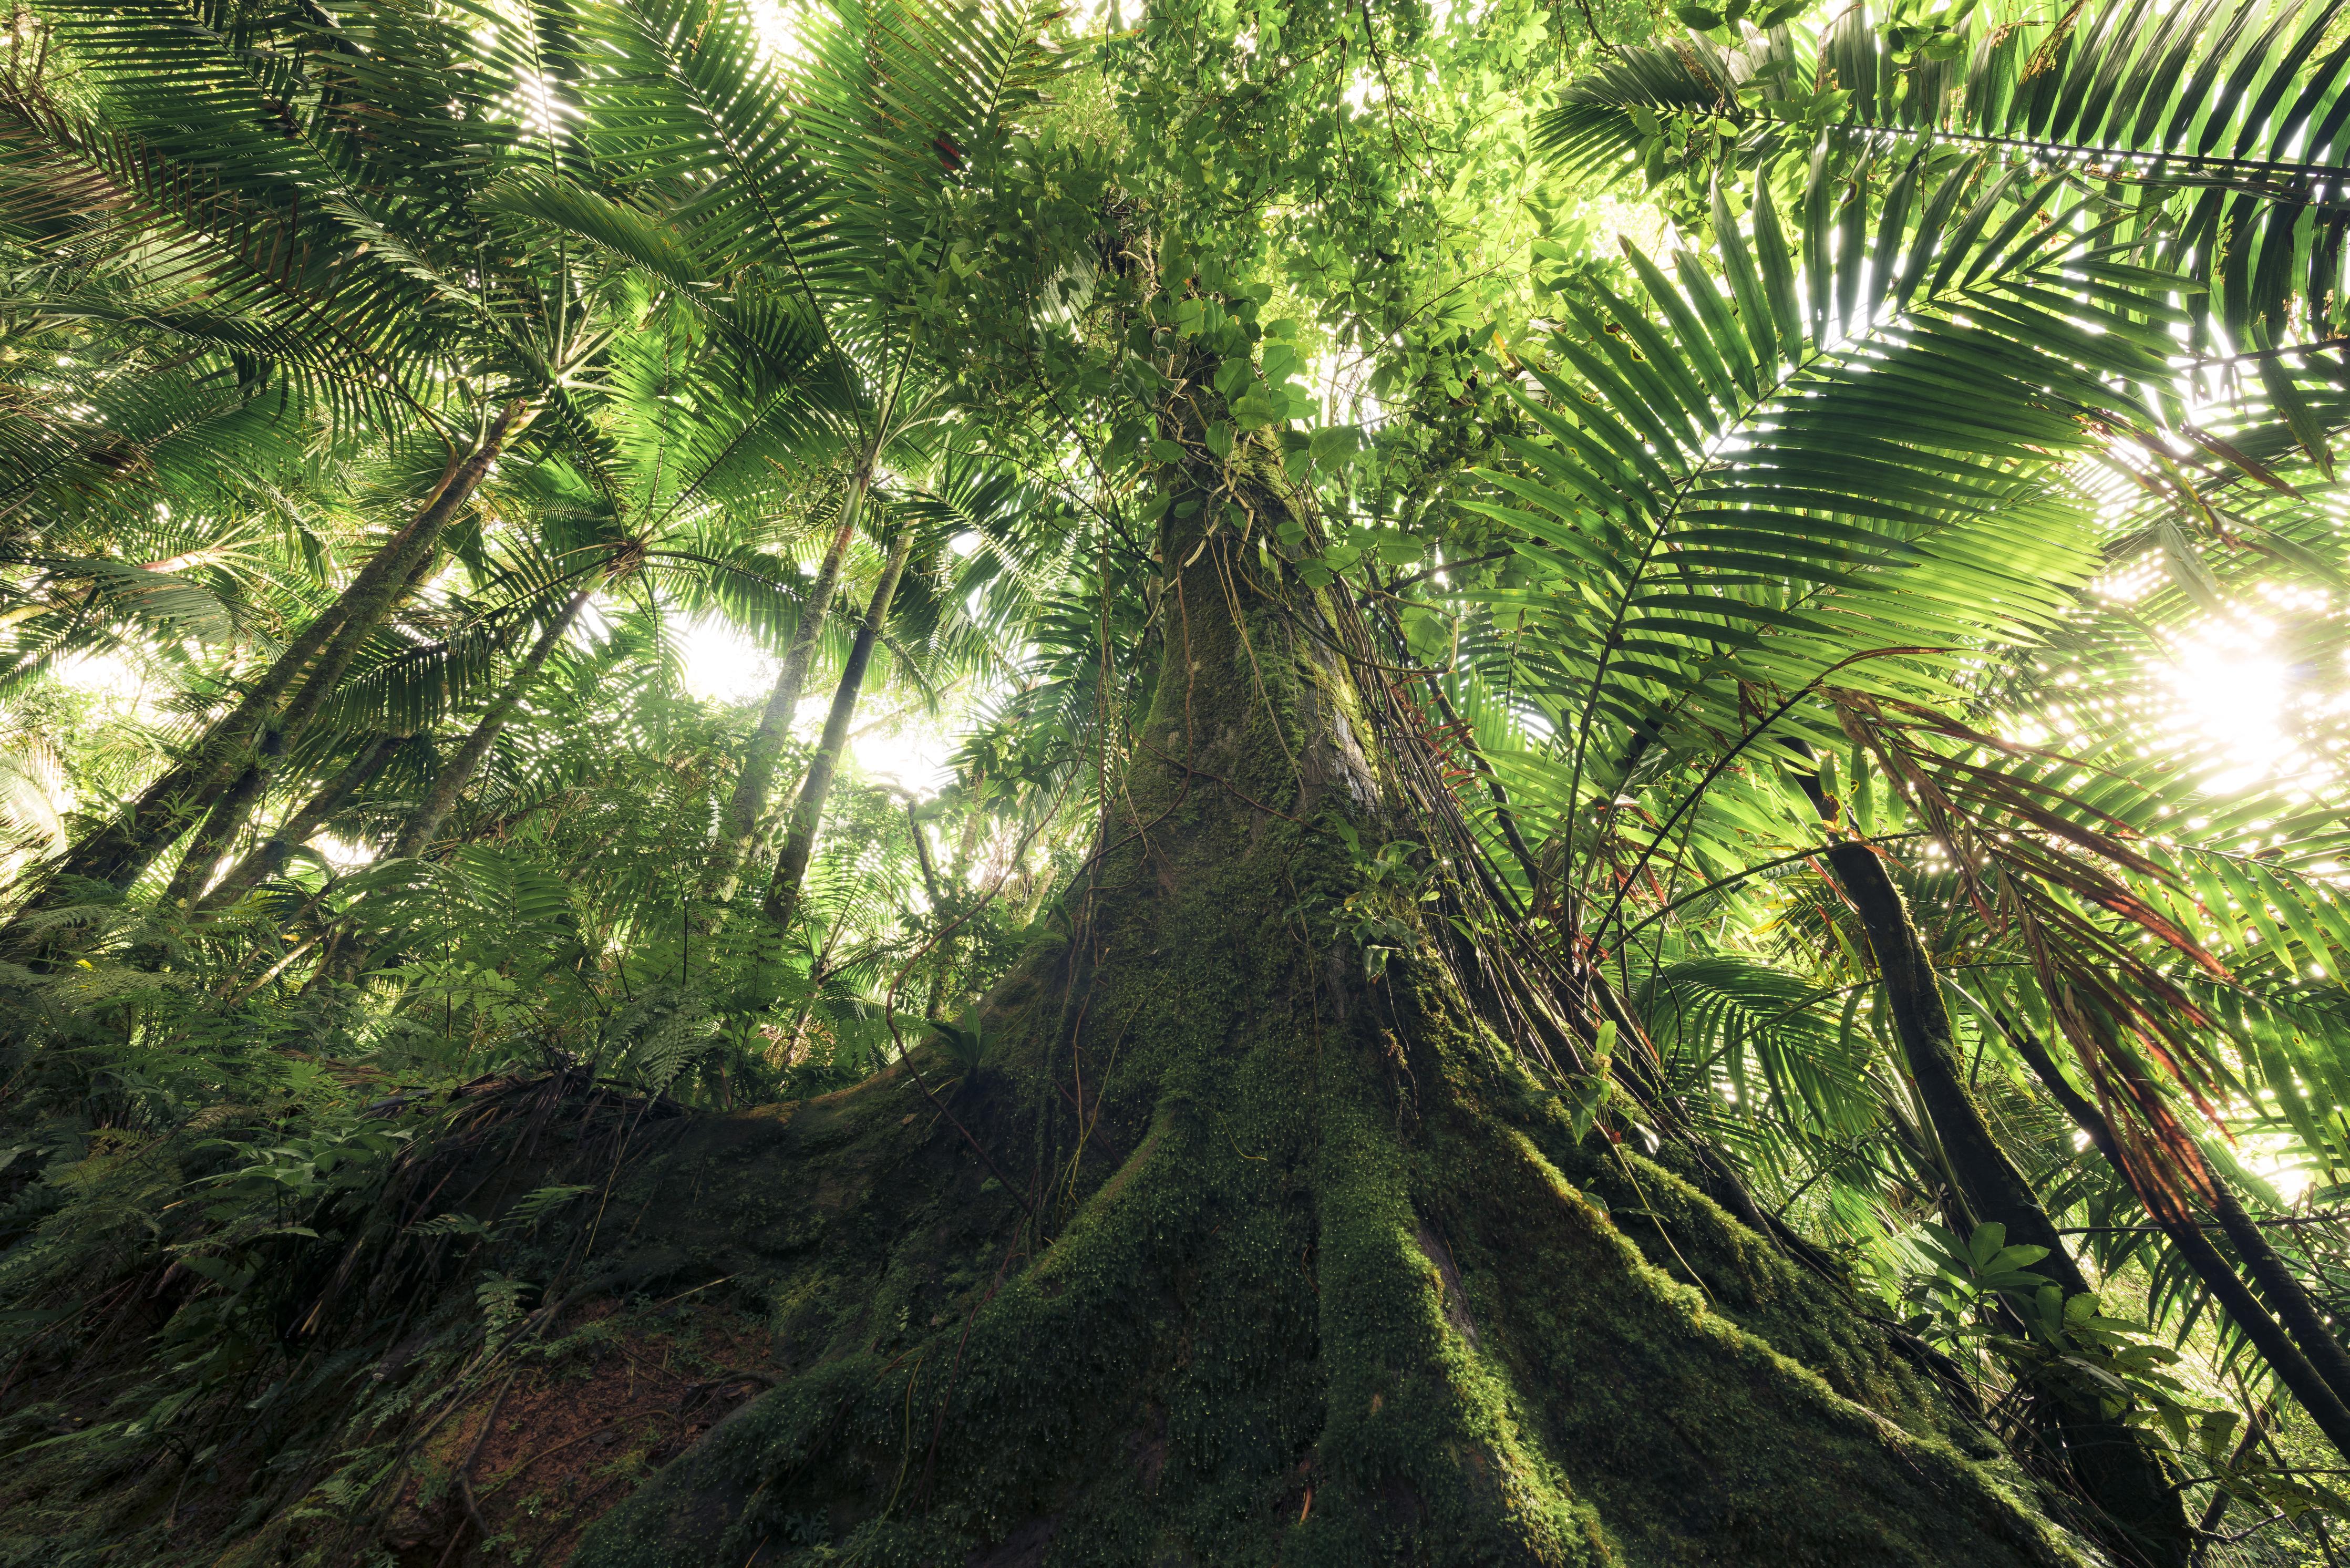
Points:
(1174, 782)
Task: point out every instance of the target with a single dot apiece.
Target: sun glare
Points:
(912, 756)
(2235, 699)
(2275, 1161)
(778, 28)
(722, 665)
(2228, 693)
(108, 677)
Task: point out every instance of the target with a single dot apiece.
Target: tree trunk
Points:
(448, 783)
(233, 807)
(268, 858)
(922, 854)
(118, 851)
(2290, 1333)
(375, 591)
(341, 959)
(746, 808)
(808, 812)
(212, 840)
(1229, 1253)
(2287, 1297)
(2116, 1472)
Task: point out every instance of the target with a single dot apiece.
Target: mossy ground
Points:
(1327, 1282)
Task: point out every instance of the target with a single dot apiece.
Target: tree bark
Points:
(1228, 1252)
(341, 958)
(2296, 1344)
(270, 856)
(217, 827)
(807, 811)
(117, 850)
(449, 785)
(214, 834)
(374, 592)
(2117, 1474)
(746, 808)
(2285, 1295)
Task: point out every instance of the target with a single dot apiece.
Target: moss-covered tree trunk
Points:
(272, 855)
(1229, 1253)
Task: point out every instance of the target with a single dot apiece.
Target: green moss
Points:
(1305, 1299)
(1296, 1268)
(1433, 1336)
(1307, 1274)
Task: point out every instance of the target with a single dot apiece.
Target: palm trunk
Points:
(2289, 1331)
(415, 551)
(2115, 1471)
(394, 572)
(118, 850)
(117, 853)
(922, 856)
(377, 589)
(217, 828)
(210, 843)
(746, 808)
(270, 856)
(450, 783)
(807, 811)
(1989, 1182)
(2285, 1295)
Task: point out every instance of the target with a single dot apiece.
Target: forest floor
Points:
(524, 1469)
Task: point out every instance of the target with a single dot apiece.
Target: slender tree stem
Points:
(119, 852)
(377, 588)
(1989, 1181)
(2300, 1358)
(2115, 1471)
(1527, 861)
(808, 812)
(449, 785)
(746, 808)
(211, 841)
(393, 573)
(268, 858)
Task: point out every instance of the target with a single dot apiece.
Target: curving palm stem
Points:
(267, 858)
(2110, 1463)
(219, 828)
(120, 850)
(448, 783)
(747, 807)
(389, 575)
(807, 811)
(2286, 1328)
